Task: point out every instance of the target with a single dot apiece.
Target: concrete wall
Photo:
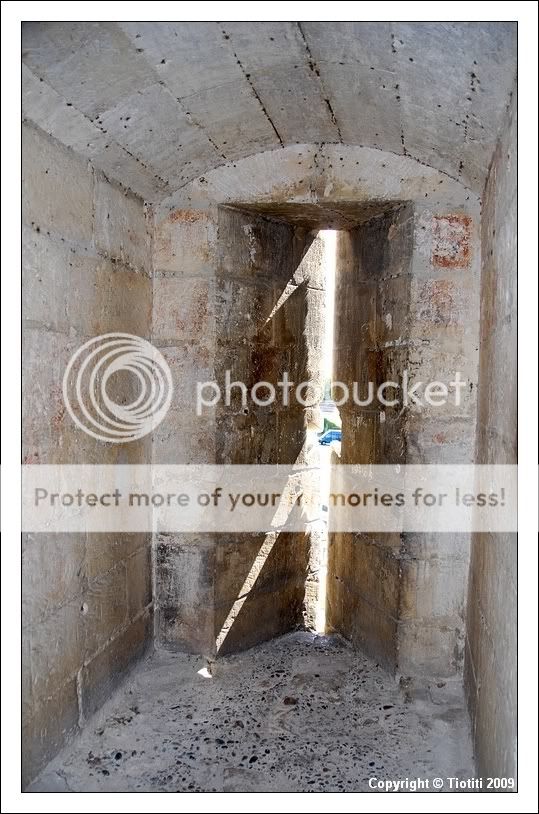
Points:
(240, 292)
(408, 290)
(86, 597)
(491, 668)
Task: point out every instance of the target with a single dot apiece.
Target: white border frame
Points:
(526, 14)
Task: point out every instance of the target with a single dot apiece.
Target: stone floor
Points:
(302, 713)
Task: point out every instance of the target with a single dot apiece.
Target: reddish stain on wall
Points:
(185, 216)
(437, 300)
(451, 241)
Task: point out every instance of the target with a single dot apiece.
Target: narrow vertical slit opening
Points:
(330, 430)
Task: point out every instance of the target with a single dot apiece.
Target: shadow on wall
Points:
(260, 579)
(216, 594)
(392, 314)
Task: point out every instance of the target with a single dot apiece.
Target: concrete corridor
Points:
(177, 178)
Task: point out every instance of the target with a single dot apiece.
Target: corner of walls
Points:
(183, 312)
(409, 287)
(491, 642)
(441, 286)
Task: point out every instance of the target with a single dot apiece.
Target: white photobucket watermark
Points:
(234, 498)
(404, 393)
(88, 379)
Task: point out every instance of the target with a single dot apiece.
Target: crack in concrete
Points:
(247, 76)
(316, 70)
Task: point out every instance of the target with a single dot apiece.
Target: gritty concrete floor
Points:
(302, 713)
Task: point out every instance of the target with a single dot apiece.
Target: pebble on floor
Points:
(302, 713)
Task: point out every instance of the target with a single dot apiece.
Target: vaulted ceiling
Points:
(155, 105)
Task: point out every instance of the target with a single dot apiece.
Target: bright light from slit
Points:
(329, 240)
(204, 672)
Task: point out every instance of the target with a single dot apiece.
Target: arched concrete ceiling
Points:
(155, 105)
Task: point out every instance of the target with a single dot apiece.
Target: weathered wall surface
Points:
(406, 294)
(251, 288)
(86, 598)
(410, 287)
(269, 321)
(491, 645)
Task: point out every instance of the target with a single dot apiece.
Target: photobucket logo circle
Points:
(117, 387)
